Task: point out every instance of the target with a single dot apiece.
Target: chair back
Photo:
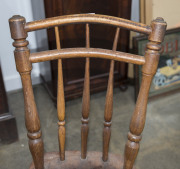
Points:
(24, 60)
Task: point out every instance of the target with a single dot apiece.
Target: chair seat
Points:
(73, 161)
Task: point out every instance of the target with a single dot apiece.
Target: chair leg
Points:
(137, 123)
(32, 123)
(149, 69)
(36, 148)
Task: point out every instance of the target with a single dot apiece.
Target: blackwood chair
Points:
(24, 59)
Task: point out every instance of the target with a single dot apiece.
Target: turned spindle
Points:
(149, 69)
(24, 67)
(60, 102)
(85, 102)
(109, 104)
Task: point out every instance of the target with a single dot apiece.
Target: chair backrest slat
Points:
(115, 42)
(87, 18)
(60, 102)
(86, 52)
(85, 102)
(87, 36)
(109, 103)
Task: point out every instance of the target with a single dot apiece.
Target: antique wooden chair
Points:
(24, 59)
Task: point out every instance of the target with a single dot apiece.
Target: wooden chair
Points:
(24, 59)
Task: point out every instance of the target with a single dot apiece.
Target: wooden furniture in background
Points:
(24, 59)
(100, 37)
(8, 128)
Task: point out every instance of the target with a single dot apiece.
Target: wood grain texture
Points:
(24, 68)
(87, 18)
(24, 65)
(109, 104)
(60, 101)
(85, 102)
(86, 52)
(148, 71)
(32, 121)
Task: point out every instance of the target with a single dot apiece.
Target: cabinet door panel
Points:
(101, 36)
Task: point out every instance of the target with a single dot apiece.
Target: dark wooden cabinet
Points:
(8, 128)
(100, 37)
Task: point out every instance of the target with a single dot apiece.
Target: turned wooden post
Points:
(85, 102)
(24, 67)
(149, 69)
(109, 104)
(60, 102)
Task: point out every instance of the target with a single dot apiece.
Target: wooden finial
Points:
(158, 27)
(17, 24)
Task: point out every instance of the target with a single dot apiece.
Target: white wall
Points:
(134, 17)
(31, 10)
(8, 8)
(41, 37)
(169, 10)
(135, 10)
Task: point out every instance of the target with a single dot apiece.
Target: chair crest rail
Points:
(86, 52)
(87, 18)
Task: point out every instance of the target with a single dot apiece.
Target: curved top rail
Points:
(86, 52)
(87, 18)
